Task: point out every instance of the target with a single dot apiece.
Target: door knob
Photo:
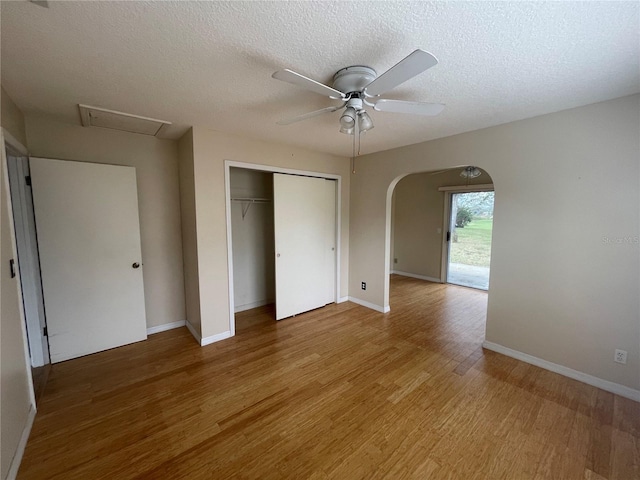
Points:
(136, 265)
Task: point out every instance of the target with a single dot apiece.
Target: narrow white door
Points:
(89, 243)
(303, 208)
(27, 246)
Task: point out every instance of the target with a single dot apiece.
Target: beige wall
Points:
(211, 149)
(15, 385)
(156, 163)
(564, 282)
(418, 211)
(12, 118)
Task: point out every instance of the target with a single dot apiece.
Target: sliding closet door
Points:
(89, 241)
(304, 207)
(330, 241)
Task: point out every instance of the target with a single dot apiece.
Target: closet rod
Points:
(249, 202)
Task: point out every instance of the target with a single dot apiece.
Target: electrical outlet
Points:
(363, 285)
(620, 357)
(395, 260)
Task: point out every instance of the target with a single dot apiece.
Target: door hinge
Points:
(27, 180)
(448, 236)
(45, 332)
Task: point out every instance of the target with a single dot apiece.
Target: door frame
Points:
(228, 165)
(446, 221)
(7, 139)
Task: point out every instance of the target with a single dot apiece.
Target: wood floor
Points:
(341, 392)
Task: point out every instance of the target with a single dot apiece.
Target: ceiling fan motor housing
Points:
(353, 79)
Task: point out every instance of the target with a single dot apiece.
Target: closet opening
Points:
(282, 238)
(253, 244)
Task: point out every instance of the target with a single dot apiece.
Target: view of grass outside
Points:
(474, 243)
(471, 238)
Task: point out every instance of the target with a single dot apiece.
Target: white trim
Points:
(228, 164)
(342, 299)
(14, 254)
(215, 338)
(193, 332)
(446, 226)
(415, 275)
(14, 142)
(370, 305)
(484, 187)
(85, 118)
(612, 387)
(17, 457)
(165, 327)
(208, 340)
(249, 306)
(227, 201)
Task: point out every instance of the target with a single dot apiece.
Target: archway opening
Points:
(448, 286)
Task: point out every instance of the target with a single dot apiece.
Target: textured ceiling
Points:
(210, 63)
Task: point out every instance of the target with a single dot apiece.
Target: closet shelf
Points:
(247, 202)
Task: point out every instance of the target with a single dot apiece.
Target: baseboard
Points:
(165, 327)
(17, 457)
(208, 340)
(193, 332)
(215, 338)
(370, 305)
(249, 306)
(612, 387)
(343, 299)
(415, 275)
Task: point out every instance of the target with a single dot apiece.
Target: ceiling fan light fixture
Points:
(365, 121)
(470, 172)
(346, 131)
(348, 118)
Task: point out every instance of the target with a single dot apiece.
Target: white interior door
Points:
(28, 259)
(305, 257)
(89, 243)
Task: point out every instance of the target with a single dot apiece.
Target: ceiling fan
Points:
(357, 86)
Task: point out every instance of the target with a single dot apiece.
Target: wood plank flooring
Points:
(337, 393)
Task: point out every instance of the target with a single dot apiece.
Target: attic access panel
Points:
(101, 117)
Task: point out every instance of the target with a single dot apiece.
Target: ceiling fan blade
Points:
(304, 82)
(439, 172)
(414, 108)
(407, 68)
(288, 121)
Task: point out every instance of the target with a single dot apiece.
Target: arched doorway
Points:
(420, 212)
(420, 229)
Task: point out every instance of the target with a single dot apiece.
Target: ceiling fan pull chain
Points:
(357, 134)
